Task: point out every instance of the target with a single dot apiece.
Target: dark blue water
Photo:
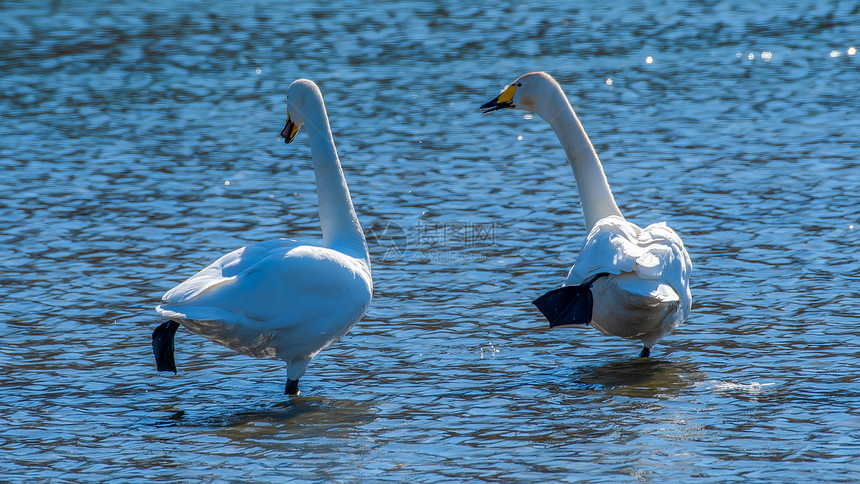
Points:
(138, 142)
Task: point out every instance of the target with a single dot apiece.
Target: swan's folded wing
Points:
(655, 253)
(671, 263)
(224, 270)
(610, 247)
(281, 284)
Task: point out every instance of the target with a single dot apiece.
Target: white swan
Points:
(280, 298)
(645, 293)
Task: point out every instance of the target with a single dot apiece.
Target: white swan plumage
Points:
(626, 281)
(281, 298)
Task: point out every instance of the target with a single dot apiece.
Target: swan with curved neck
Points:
(281, 298)
(626, 281)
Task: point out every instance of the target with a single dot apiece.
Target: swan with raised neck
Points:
(627, 281)
(340, 226)
(281, 298)
(539, 93)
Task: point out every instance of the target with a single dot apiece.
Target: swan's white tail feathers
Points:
(198, 313)
(656, 290)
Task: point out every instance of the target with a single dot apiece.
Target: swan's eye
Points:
(519, 84)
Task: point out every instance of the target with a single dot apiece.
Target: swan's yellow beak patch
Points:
(507, 95)
(289, 131)
(505, 100)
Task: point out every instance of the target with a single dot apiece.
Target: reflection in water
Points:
(642, 377)
(305, 415)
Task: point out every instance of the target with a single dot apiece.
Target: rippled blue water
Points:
(138, 142)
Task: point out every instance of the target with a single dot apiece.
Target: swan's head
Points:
(524, 93)
(303, 100)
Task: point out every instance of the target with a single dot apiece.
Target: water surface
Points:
(139, 142)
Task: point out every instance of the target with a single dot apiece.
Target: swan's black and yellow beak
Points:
(289, 131)
(505, 100)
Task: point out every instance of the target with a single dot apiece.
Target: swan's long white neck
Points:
(594, 191)
(340, 227)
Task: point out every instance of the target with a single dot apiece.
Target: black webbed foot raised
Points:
(646, 352)
(162, 346)
(568, 305)
(292, 387)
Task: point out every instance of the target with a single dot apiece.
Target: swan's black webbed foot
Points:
(292, 387)
(646, 352)
(568, 305)
(162, 346)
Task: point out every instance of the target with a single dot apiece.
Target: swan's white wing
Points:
(655, 255)
(672, 264)
(274, 282)
(273, 298)
(610, 247)
(225, 269)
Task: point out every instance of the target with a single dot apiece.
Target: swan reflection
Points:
(642, 377)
